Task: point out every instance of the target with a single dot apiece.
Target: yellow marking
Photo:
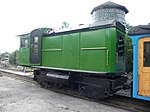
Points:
(46, 50)
(107, 63)
(94, 48)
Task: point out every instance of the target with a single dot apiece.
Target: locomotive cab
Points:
(30, 48)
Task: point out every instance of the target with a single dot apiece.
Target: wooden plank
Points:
(140, 66)
(143, 72)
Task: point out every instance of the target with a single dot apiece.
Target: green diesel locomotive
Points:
(90, 58)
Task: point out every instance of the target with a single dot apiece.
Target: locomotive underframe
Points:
(88, 84)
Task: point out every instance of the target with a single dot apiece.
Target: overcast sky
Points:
(20, 16)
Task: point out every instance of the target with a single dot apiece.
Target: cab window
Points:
(24, 43)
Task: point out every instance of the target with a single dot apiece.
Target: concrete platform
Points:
(18, 96)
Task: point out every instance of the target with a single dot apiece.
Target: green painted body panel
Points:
(92, 55)
(70, 51)
(111, 43)
(51, 51)
(93, 50)
(61, 51)
(23, 54)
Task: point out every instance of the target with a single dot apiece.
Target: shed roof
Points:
(110, 4)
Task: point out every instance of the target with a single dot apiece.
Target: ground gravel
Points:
(19, 96)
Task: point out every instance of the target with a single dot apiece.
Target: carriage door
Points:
(35, 47)
(144, 66)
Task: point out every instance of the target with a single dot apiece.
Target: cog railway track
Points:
(118, 101)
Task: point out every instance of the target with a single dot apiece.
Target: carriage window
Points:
(146, 54)
(24, 42)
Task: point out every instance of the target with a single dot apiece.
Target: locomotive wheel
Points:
(35, 78)
(57, 85)
(87, 91)
(44, 84)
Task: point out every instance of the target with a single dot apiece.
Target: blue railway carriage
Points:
(140, 36)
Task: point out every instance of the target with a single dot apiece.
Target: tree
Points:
(13, 58)
(128, 55)
(128, 26)
(4, 59)
(64, 25)
(128, 51)
(4, 55)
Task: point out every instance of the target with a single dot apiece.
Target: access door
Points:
(35, 47)
(144, 66)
